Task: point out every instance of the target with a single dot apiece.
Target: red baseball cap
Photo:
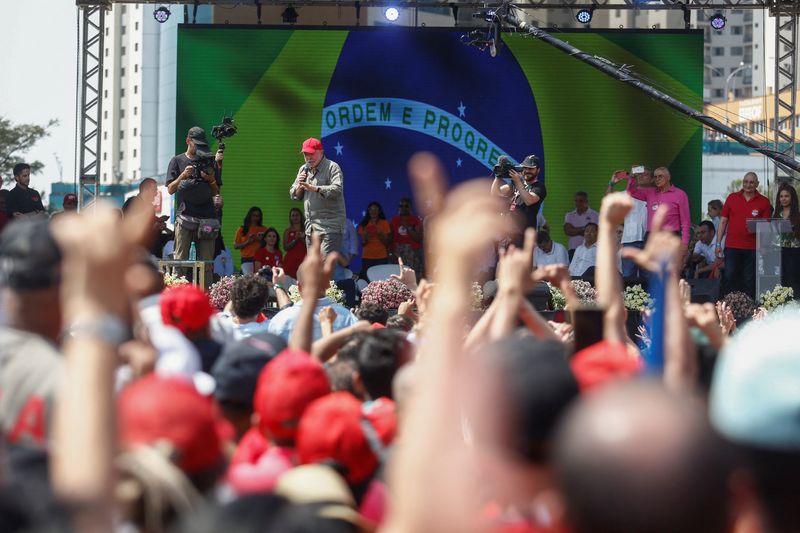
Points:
(186, 307)
(603, 362)
(333, 428)
(311, 145)
(157, 408)
(285, 387)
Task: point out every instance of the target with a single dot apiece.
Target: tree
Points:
(16, 140)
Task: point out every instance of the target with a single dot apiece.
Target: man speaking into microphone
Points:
(319, 183)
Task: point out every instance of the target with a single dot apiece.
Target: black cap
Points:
(198, 136)
(237, 369)
(531, 161)
(29, 256)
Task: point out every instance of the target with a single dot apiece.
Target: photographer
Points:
(196, 177)
(525, 192)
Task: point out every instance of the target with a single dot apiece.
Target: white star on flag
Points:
(461, 109)
(388, 183)
(338, 148)
(458, 162)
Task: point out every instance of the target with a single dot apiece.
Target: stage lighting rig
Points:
(718, 21)
(584, 16)
(289, 15)
(161, 14)
(391, 14)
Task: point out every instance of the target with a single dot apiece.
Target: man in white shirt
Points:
(704, 256)
(635, 224)
(248, 297)
(586, 254)
(548, 252)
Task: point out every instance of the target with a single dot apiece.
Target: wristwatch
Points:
(104, 327)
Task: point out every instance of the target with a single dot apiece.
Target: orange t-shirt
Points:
(374, 248)
(250, 250)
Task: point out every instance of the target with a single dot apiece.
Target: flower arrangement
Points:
(636, 298)
(583, 290)
(476, 295)
(557, 299)
(334, 293)
(171, 280)
(389, 293)
(777, 297)
(220, 292)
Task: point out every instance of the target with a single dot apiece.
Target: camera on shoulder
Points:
(503, 166)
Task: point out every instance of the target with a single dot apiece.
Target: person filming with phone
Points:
(248, 238)
(320, 184)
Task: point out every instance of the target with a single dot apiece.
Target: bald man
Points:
(634, 458)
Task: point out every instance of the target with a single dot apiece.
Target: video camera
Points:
(501, 169)
(223, 131)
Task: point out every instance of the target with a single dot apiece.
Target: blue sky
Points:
(39, 43)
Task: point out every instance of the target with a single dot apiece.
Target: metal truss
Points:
(93, 16)
(785, 13)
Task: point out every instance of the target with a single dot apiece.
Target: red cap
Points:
(602, 363)
(186, 307)
(331, 429)
(157, 408)
(311, 145)
(286, 386)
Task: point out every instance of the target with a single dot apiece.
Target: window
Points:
(121, 134)
(122, 51)
(106, 52)
(135, 111)
(124, 9)
(105, 135)
(718, 51)
(737, 50)
(105, 156)
(717, 73)
(136, 67)
(122, 71)
(121, 155)
(106, 32)
(136, 26)
(134, 154)
(122, 93)
(718, 93)
(121, 113)
(135, 89)
(135, 131)
(105, 114)
(134, 172)
(105, 93)
(136, 47)
(105, 73)
(735, 30)
(122, 31)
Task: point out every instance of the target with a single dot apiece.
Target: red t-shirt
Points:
(267, 258)
(738, 210)
(400, 233)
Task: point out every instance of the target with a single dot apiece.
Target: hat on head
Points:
(237, 369)
(603, 362)
(285, 387)
(319, 484)
(198, 136)
(30, 258)
(70, 197)
(156, 408)
(335, 428)
(755, 392)
(311, 145)
(186, 307)
(531, 161)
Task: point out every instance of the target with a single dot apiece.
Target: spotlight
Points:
(718, 21)
(289, 15)
(584, 16)
(161, 14)
(391, 14)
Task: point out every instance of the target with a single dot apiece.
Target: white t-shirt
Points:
(635, 223)
(706, 250)
(583, 259)
(558, 256)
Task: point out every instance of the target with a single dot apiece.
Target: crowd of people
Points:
(129, 406)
